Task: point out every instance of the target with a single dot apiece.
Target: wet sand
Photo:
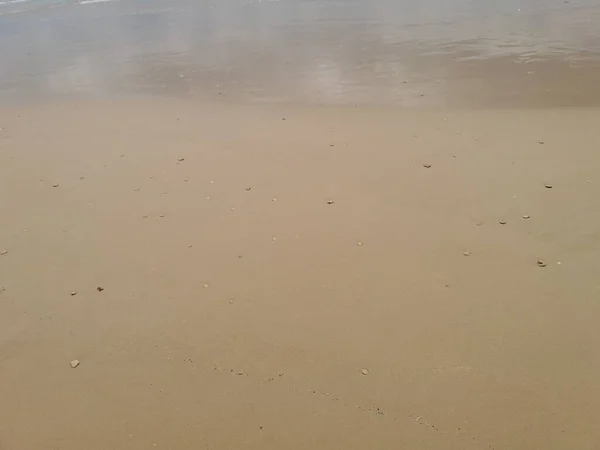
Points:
(434, 53)
(282, 276)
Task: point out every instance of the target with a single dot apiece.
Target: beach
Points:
(254, 264)
(187, 263)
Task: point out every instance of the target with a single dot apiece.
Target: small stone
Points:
(332, 145)
(274, 199)
(467, 253)
(99, 288)
(55, 185)
(136, 189)
(74, 363)
(541, 263)
(359, 244)
(144, 217)
(330, 202)
(427, 166)
(364, 372)
(73, 294)
(502, 222)
(205, 285)
(186, 179)
(248, 189)
(181, 159)
(3, 252)
(548, 186)
(161, 216)
(541, 142)
(526, 216)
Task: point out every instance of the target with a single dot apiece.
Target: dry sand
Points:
(298, 283)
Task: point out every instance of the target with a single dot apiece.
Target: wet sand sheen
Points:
(449, 53)
(292, 277)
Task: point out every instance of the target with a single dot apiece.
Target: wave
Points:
(9, 7)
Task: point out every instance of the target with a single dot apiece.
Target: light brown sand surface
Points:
(242, 310)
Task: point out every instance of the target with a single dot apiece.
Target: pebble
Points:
(248, 189)
(364, 372)
(541, 263)
(74, 363)
(467, 253)
(526, 216)
(330, 202)
(99, 288)
(540, 142)
(55, 185)
(427, 166)
(161, 216)
(359, 244)
(3, 252)
(181, 159)
(205, 285)
(502, 222)
(185, 179)
(73, 293)
(548, 186)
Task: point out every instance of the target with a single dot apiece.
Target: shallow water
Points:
(435, 52)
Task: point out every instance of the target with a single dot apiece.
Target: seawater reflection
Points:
(331, 51)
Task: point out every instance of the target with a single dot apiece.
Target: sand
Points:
(293, 277)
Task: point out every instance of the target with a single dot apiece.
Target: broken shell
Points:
(541, 263)
(548, 186)
(364, 372)
(74, 363)
(526, 216)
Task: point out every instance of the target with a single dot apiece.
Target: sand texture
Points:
(176, 276)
